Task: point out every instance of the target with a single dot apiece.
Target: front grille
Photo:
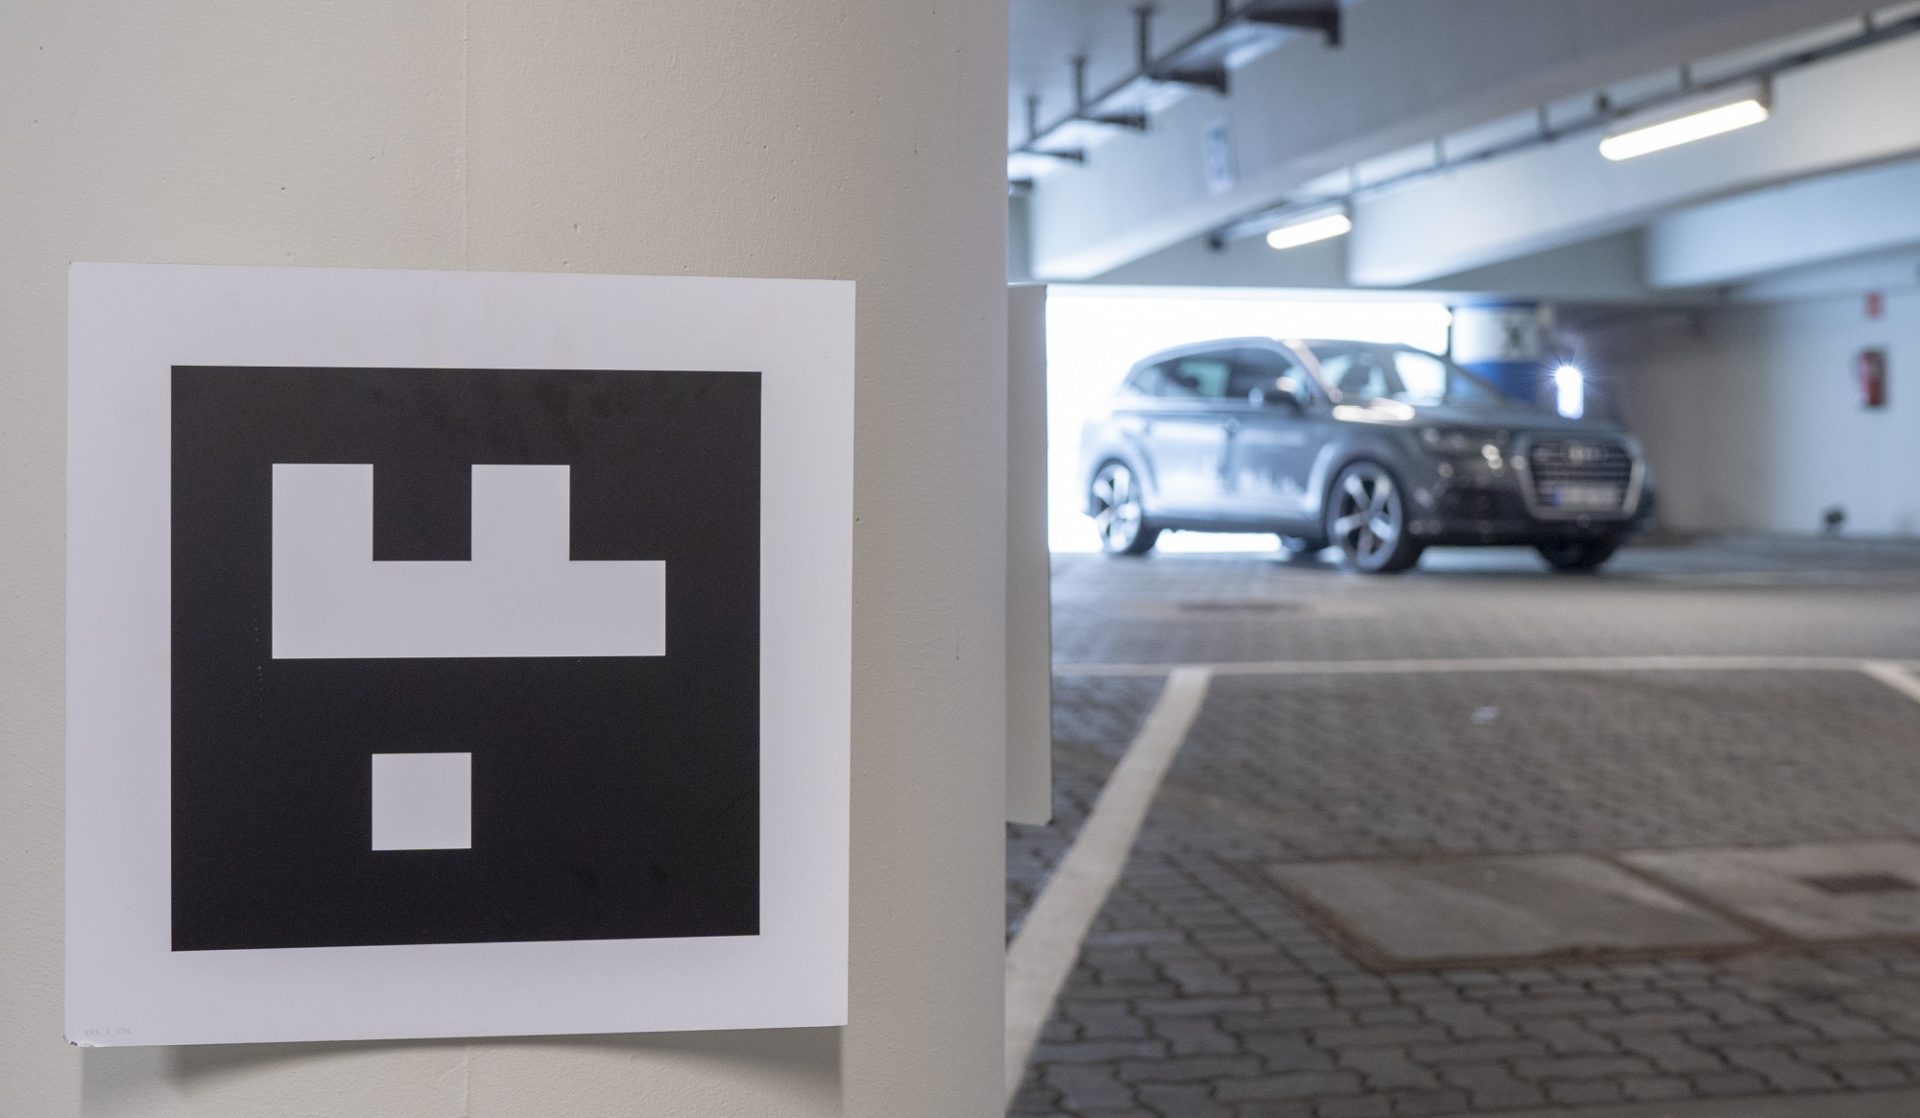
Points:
(1569, 477)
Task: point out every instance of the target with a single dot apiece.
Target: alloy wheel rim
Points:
(1367, 519)
(1116, 514)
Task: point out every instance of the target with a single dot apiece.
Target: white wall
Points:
(856, 139)
(1752, 419)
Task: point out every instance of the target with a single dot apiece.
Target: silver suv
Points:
(1378, 450)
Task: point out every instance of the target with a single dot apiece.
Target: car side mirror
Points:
(1285, 393)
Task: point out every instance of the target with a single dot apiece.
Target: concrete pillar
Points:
(853, 139)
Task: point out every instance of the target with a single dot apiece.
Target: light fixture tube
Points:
(1307, 230)
(1696, 122)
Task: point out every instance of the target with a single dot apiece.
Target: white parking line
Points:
(1894, 675)
(1043, 951)
(1496, 664)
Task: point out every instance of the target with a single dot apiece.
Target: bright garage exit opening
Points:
(1096, 334)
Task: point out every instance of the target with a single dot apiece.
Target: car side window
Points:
(1263, 369)
(1147, 380)
(1202, 376)
(1423, 377)
(1358, 375)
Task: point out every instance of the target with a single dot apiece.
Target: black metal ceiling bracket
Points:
(1323, 18)
(1201, 62)
(1210, 77)
(1132, 122)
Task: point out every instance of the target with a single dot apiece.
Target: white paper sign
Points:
(455, 654)
(1220, 169)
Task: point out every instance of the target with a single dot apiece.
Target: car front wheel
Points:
(1367, 520)
(1577, 555)
(1118, 514)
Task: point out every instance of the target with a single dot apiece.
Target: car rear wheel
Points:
(1118, 514)
(1367, 520)
(1577, 555)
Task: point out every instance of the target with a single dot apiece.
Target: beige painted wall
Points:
(854, 139)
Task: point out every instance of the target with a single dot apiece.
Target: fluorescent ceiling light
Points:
(1308, 230)
(1690, 125)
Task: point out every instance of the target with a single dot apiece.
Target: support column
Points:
(845, 139)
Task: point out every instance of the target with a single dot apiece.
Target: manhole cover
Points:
(1852, 884)
(1436, 912)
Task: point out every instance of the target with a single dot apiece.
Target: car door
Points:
(1183, 428)
(1273, 436)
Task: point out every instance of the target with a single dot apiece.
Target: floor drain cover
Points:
(1854, 884)
(1815, 890)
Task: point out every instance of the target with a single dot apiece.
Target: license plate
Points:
(1578, 496)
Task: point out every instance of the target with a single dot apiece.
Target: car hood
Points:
(1515, 418)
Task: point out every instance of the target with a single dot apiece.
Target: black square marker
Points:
(610, 796)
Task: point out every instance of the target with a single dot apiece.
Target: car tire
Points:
(1577, 556)
(1119, 515)
(1367, 520)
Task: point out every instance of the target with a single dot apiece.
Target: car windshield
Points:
(1359, 371)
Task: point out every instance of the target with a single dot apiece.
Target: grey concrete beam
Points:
(1816, 220)
(1828, 117)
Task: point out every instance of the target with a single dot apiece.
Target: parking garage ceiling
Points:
(1509, 99)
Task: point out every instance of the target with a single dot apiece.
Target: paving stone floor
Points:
(1204, 990)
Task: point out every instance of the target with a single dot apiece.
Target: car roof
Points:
(1206, 346)
(1254, 340)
